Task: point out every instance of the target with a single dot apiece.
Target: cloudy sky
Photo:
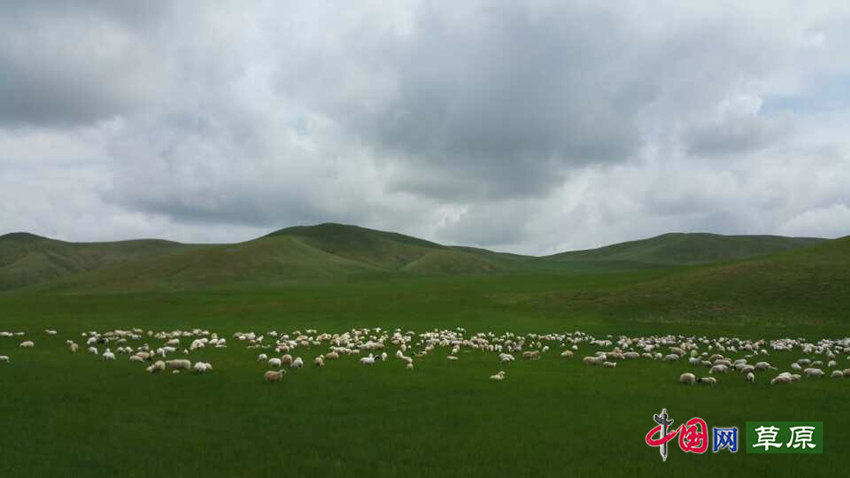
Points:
(532, 127)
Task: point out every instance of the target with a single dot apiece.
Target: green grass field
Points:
(66, 414)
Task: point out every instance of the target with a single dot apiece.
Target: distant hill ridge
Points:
(332, 250)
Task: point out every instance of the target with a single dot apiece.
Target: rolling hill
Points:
(27, 259)
(684, 249)
(806, 286)
(332, 251)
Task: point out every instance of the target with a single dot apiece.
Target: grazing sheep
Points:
(262, 358)
(319, 361)
(847, 373)
(272, 376)
(837, 374)
(4, 358)
(332, 356)
(718, 369)
(707, 380)
(179, 364)
(499, 376)
(567, 354)
(781, 379)
(108, 355)
(158, 366)
(203, 367)
(93, 350)
(275, 362)
(297, 363)
(687, 378)
(531, 355)
(609, 364)
(370, 360)
(50, 332)
(286, 359)
(27, 344)
(409, 366)
(813, 372)
(451, 358)
(595, 361)
(671, 358)
(751, 377)
(73, 347)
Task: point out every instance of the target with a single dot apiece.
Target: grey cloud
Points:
(508, 100)
(529, 127)
(71, 63)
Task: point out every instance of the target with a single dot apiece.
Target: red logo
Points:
(693, 435)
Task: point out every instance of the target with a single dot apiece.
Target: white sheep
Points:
(609, 364)
(203, 367)
(4, 358)
(409, 366)
(50, 332)
(108, 355)
(595, 361)
(813, 372)
(275, 362)
(707, 380)
(718, 368)
(837, 374)
(319, 361)
(370, 360)
(158, 366)
(93, 351)
(499, 376)
(272, 376)
(687, 378)
(297, 363)
(262, 358)
(567, 354)
(28, 344)
(179, 364)
(751, 377)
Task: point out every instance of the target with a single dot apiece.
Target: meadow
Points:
(69, 414)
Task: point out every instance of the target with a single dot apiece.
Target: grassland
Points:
(75, 415)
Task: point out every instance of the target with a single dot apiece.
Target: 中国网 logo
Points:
(762, 437)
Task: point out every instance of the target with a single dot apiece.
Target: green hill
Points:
(27, 259)
(805, 286)
(332, 251)
(685, 249)
(326, 251)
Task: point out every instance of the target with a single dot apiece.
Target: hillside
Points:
(686, 249)
(327, 251)
(332, 251)
(387, 250)
(806, 286)
(27, 259)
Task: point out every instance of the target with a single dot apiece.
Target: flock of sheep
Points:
(161, 351)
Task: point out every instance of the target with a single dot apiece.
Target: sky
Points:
(532, 127)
